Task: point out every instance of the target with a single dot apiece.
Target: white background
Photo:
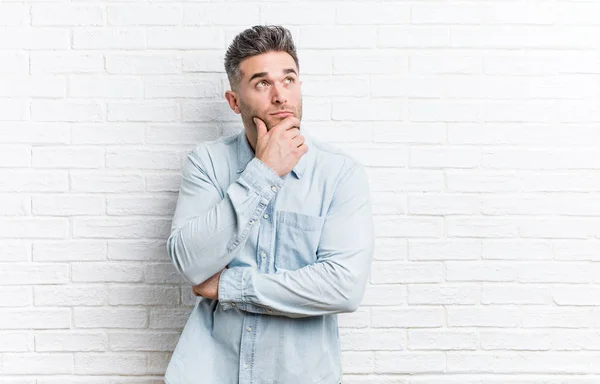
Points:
(478, 122)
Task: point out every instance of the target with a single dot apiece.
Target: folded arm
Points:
(335, 283)
(209, 227)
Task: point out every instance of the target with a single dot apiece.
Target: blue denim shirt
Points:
(297, 249)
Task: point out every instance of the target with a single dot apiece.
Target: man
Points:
(273, 229)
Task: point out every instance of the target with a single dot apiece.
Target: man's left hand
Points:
(210, 288)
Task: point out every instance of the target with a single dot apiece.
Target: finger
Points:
(261, 128)
(292, 133)
(287, 123)
(298, 141)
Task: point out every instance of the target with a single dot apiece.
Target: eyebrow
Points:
(263, 74)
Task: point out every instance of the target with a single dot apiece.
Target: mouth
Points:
(282, 114)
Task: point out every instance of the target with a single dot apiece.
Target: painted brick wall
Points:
(479, 122)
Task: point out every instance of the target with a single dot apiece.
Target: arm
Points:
(208, 228)
(335, 283)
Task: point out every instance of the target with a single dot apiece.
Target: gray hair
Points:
(254, 41)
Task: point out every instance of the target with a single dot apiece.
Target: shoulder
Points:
(334, 159)
(207, 151)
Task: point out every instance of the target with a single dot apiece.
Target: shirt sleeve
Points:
(335, 283)
(210, 228)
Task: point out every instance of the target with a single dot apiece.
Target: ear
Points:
(232, 100)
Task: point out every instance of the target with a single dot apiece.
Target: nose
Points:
(279, 95)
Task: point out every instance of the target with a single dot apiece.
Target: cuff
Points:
(231, 283)
(262, 178)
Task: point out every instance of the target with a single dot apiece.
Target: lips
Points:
(283, 114)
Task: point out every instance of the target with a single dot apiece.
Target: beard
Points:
(247, 112)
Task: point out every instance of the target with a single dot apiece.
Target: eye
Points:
(291, 79)
(261, 83)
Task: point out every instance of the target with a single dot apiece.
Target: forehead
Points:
(272, 62)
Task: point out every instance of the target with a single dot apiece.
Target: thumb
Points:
(261, 128)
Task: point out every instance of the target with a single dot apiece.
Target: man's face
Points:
(269, 84)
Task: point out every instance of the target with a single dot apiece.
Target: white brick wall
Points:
(478, 121)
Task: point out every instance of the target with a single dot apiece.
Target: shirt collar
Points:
(245, 153)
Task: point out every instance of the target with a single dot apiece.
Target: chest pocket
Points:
(296, 239)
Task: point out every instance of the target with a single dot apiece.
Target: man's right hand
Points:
(282, 147)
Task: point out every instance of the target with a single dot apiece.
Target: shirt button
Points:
(274, 188)
(245, 366)
(249, 329)
(263, 255)
(266, 216)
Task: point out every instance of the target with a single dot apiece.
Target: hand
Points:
(282, 147)
(210, 288)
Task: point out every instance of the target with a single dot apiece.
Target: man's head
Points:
(263, 72)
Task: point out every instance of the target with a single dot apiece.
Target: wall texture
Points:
(479, 122)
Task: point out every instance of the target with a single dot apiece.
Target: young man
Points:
(273, 229)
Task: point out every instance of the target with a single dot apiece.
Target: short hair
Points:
(254, 41)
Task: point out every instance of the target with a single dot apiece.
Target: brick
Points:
(38, 363)
(443, 294)
(442, 340)
(143, 295)
(49, 228)
(66, 111)
(172, 318)
(71, 205)
(66, 15)
(34, 273)
(221, 14)
(508, 249)
(143, 341)
(409, 362)
(403, 273)
(401, 226)
(147, 250)
(16, 296)
(15, 250)
(66, 62)
(88, 272)
(155, 111)
(14, 205)
(110, 364)
(74, 157)
(34, 133)
(337, 37)
(14, 341)
(413, 317)
(14, 62)
(121, 228)
(372, 339)
(33, 181)
(33, 86)
(163, 273)
(180, 133)
(143, 64)
(70, 295)
(12, 15)
(38, 318)
(70, 341)
(184, 38)
(110, 317)
(106, 181)
(122, 158)
(71, 250)
(147, 14)
(105, 86)
(104, 38)
(107, 133)
(16, 38)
